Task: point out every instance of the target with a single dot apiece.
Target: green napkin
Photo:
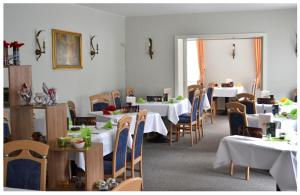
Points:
(172, 101)
(293, 113)
(179, 97)
(140, 100)
(108, 125)
(116, 112)
(85, 132)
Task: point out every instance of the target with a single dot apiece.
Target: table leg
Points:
(171, 132)
(93, 166)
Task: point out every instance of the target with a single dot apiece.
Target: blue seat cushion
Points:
(183, 119)
(185, 115)
(107, 167)
(108, 157)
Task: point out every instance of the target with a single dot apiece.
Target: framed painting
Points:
(66, 49)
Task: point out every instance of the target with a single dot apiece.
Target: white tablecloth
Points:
(106, 137)
(227, 91)
(286, 124)
(278, 157)
(268, 107)
(206, 105)
(154, 123)
(172, 111)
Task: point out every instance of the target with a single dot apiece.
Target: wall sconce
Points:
(150, 48)
(39, 51)
(233, 51)
(296, 45)
(93, 50)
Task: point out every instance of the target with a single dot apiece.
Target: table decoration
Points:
(179, 97)
(25, 94)
(108, 125)
(140, 100)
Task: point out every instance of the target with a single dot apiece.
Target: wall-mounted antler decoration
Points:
(93, 50)
(39, 51)
(150, 50)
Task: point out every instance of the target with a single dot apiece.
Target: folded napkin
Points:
(140, 100)
(85, 132)
(106, 112)
(108, 125)
(116, 112)
(285, 101)
(179, 97)
(293, 113)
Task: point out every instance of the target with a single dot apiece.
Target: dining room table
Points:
(100, 134)
(226, 93)
(277, 156)
(153, 123)
(267, 108)
(285, 123)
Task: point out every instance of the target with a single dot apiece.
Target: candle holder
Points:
(93, 50)
(40, 50)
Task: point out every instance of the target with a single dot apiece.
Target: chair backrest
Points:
(137, 145)
(99, 101)
(129, 91)
(248, 100)
(116, 99)
(132, 184)
(201, 104)
(195, 105)
(120, 148)
(237, 117)
(6, 127)
(24, 170)
(253, 87)
(72, 109)
(191, 90)
(209, 92)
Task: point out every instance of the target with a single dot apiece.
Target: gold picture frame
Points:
(66, 49)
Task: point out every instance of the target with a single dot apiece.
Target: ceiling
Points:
(151, 9)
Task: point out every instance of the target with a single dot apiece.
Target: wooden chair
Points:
(253, 87)
(116, 99)
(200, 115)
(212, 102)
(192, 89)
(132, 184)
(129, 91)
(187, 122)
(79, 120)
(99, 102)
(23, 170)
(136, 155)
(6, 128)
(248, 100)
(238, 123)
(117, 166)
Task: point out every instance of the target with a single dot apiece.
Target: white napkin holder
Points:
(264, 93)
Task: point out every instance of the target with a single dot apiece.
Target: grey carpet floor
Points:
(185, 168)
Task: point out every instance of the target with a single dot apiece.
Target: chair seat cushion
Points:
(107, 167)
(184, 119)
(186, 115)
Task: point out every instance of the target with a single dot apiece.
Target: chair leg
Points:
(211, 116)
(141, 173)
(177, 133)
(132, 170)
(170, 136)
(247, 173)
(231, 168)
(191, 131)
(202, 128)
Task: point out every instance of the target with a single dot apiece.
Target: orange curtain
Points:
(258, 56)
(200, 51)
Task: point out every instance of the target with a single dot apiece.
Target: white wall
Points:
(150, 76)
(105, 73)
(220, 65)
